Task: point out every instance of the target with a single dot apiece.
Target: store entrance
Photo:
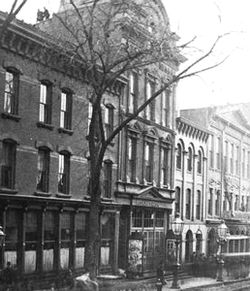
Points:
(150, 222)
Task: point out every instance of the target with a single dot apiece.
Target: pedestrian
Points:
(8, 276)
(160, 273)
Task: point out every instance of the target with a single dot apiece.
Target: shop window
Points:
(80, 228)
(149, 217)
(179, 157)
(137, 218)
(64, 173)
(107, 230)
(8, 165)
(66, 109)
(159, 219)
(49, 240)
(148, 161)
(31, 240)
(12, 231)
(132, 152)
(188, 203)
(43, 170)
(109, 120)
(45, 107)
(218, 154)
(11, 92)
(65, 221)
(133, 92)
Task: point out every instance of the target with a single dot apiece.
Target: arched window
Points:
(199, 162)
(179, 156)
(188, 203)
(190, 159)
(43, 169)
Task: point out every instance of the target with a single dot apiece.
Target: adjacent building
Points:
(228, 191)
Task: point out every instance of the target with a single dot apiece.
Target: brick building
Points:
(44, 157)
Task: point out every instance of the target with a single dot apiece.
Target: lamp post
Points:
(177, 227)
(222, 234)
(2, 235)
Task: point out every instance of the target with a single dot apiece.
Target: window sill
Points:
(106, 199)
(11, 116)
(8, 190)
(44, 125)
(42, 194)
(61, 195)
(65, 130)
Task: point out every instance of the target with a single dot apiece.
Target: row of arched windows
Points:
(190, 158)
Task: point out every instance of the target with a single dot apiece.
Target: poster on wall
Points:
(135, 248)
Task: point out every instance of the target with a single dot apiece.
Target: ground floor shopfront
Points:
(144, 222)
(44, 237)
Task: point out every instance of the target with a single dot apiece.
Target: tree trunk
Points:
(93, 230)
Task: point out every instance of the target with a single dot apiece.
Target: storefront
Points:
(147, 216)
(47, 237)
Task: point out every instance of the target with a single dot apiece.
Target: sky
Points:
(204, 20)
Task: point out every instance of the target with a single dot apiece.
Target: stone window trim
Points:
(44, 144)
(6, 115)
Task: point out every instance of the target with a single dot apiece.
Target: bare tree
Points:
(107, 39)
(15, 9)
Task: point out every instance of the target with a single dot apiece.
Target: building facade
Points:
(191, 185)
(44, 158)
(228, 174)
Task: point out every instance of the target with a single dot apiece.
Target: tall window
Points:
(109, 119)
(8, 165)
(226, 156)
(148, 161)
(164, 165)
(188, 203)
(177, 200)
(199, 162)
(45, 107)
(178, 156)
(210, 201)
(217, 203)
(218, 153)
(164, 110)
(107, 178)
(211, 151)
(132, 153)
(66, 109)
(190, 159)
(232, 159)
(243, 163)
(64, 173)
(237, 160)
(150, 109)
(133, 91)
(11, 92)
(43, 170)
(198, 204)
